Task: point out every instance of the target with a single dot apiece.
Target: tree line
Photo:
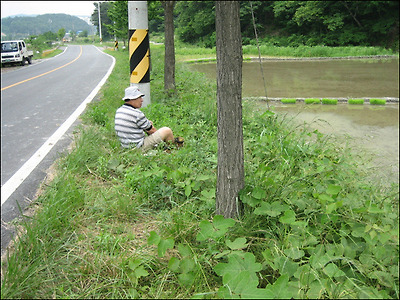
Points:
(280, 23)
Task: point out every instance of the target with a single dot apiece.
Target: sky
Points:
(75, 8)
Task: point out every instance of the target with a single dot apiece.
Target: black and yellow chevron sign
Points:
(139, 55)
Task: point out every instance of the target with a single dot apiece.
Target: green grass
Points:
(355, 101)
(316, 51)
(185, 52)
(329, 101)
(312, 101)
(116, 223)
(377, 101)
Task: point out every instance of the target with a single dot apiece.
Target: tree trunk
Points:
(230, 170)
(169, 63)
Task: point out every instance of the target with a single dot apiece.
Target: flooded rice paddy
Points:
(352, 78)
(374, 129)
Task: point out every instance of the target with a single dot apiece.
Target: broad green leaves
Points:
(185, 267)
(271, 209)
(332, 270)
(303, 267)
(137, 270)
(240, 279)
(242, 286)
(237, 244)
(289, 217)
(237, 264)
(294, 253)
(162, 245)
(329, 200)
(217, 229)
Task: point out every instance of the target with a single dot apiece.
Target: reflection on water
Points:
(373, 128)
(365, 115)
(318, 78)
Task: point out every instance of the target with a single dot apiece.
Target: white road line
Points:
(15, 181)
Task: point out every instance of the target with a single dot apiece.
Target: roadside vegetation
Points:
(119, 224)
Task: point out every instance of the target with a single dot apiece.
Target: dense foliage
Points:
(293, 23)
(279, 23)
(282, 23)
(118, 14)
(105, 19)
(21, 27)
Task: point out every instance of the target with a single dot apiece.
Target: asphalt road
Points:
(37, 102)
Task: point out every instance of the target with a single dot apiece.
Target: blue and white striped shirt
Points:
(130, 124)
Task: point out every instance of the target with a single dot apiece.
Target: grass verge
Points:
(118, 224)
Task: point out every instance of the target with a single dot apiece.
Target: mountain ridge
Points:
(13, 27)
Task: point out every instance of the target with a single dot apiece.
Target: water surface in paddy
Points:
(368, 127)
(317, 78)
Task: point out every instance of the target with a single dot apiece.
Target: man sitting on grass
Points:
(131, 124)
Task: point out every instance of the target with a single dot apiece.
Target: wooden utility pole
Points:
(169, 62)
(139, 48)
(230, 170)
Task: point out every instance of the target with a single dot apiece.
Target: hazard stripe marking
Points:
(139, 56)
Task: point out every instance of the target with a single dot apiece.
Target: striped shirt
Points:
(130, 124)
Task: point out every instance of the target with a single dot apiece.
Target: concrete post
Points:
(139, 48)
(101, 38)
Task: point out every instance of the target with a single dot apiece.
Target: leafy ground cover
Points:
(118, 224)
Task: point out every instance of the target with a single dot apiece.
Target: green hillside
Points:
(23, 27)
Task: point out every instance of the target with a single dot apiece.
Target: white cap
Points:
(132, 92)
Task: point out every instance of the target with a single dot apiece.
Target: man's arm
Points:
(151, 130)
